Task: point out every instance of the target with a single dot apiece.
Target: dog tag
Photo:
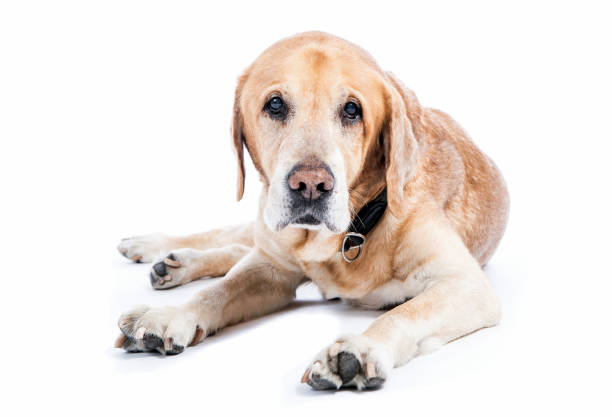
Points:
(352, 240)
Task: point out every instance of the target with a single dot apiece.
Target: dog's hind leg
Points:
(184, 265)
(148, 248)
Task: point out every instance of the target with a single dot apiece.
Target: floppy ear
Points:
(238, 137)
(400, 144)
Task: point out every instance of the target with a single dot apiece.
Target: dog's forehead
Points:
(314, 64)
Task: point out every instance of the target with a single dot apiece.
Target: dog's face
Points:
(311, 112)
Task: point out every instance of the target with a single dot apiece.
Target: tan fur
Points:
(447, 207)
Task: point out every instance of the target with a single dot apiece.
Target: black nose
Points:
(311, 181)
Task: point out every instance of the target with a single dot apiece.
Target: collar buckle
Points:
(352, 240)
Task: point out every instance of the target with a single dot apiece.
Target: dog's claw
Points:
(171, 261)
(370, 370)
(120, 340)
(168, 343)
(197, 336)
(305, 378)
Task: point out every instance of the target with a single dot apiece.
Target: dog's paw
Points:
(163, 329)
(177, 268)
(353, 361)
(145, 248)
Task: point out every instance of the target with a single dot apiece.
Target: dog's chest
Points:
(369, 281)
(364, 287)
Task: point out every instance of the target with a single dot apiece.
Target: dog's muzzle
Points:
(310, 186)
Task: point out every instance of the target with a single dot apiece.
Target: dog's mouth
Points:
(310, 220)
(307, 219)
(318, 215)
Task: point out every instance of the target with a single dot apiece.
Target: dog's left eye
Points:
(276, 108)
(351, 111)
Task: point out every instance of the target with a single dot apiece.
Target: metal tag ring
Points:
(360, 247)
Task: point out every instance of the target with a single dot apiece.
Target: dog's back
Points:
(472, 190)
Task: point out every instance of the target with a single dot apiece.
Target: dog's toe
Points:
(374, 383)
(175, 349)
(152, 341)
(320, 384)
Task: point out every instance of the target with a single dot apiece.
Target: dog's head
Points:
(321, 122)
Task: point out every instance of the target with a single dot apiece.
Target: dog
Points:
(376, 199)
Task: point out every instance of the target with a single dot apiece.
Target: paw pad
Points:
(348, 366)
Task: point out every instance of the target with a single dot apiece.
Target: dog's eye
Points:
(351, 111)
(276, 104)
(276, 108)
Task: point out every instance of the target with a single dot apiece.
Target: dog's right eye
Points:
(276, 108)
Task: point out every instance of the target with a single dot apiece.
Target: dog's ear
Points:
(400, 144)
(238, 140)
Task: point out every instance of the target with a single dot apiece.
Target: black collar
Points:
(362, 224)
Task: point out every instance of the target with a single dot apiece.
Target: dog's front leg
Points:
(456, 300)
(148, 248)
(253, 287)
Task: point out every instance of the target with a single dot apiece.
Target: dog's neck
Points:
(369, 186)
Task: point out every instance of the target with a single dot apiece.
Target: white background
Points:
(114, 121)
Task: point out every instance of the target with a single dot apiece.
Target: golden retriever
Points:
(330, 133)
